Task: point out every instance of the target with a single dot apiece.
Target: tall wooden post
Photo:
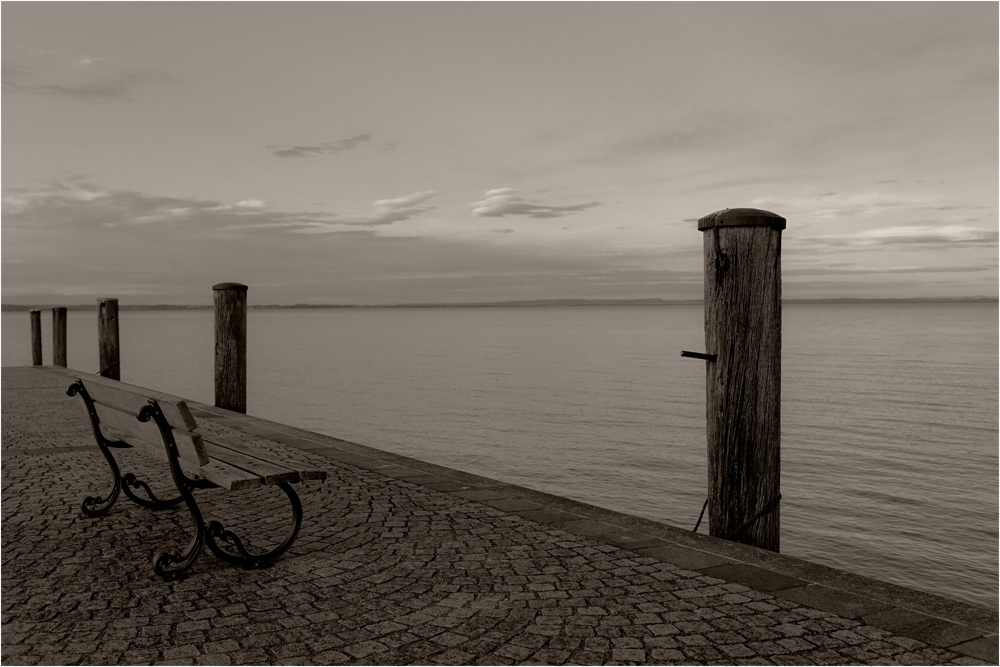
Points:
(231, 346)
(36, 337)
(108, 353)
(743, 331)
(59, 337)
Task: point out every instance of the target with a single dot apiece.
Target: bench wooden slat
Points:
(129, 398)
(257, 449)
(189, 445)
(270, 473)
(226, 462)
(219, 473)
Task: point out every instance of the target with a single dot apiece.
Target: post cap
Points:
(235, 286)
(741, 217)
(106, 298)
(35, 310)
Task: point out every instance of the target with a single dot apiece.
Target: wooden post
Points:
(231, 346)
(107, 339)
(59, 337)
(743, 330)
(36, 337)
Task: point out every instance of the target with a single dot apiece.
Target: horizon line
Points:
(541, 303)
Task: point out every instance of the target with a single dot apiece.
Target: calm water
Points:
(889, 433)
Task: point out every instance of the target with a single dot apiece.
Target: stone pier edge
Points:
(936, 620)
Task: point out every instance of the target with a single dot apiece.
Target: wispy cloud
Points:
(858, 271)
(325, 148)
(111, 86)
(842, 205)
(855, 204)
(405, 202)
(76, 203)
(79, 204)
(387, 211)
(911, 235)
(504, 201)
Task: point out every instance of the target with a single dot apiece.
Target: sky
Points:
(381, 153)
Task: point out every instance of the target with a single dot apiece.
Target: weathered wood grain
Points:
(270, 472)
(217, 472)
(36, 337)
(59, 337)
(130, 398)
(189, 445)
(230, 346)
(107, 339)
(742, 249)
(266, 451)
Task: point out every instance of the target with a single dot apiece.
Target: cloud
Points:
(833, 205)
(837, 205)
(387, 211)
(325, 148)
(502, 231)
(116, 85)
(833, 270)
(405, 202)
(912, 235)
(948, 234)
(503, 201)
(78, 204)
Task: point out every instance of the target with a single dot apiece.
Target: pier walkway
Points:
(404, 562)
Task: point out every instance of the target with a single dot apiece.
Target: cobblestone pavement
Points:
(393, 566)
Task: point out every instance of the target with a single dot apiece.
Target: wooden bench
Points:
(162, 426)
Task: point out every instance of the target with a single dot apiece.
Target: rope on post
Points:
(703, 507)
(756, 516)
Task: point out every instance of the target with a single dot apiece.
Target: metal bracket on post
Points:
(699, 355)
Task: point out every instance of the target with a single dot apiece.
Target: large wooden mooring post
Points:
(231, 346)
(109, 357)
(36, 337)
(743, 332)
(59, 337)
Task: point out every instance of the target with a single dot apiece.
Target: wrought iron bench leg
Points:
(170, 565)
(173, 565)
(92, 506)
(96, 506)
(245, 557)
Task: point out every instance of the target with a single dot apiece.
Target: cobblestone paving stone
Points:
(385, 572)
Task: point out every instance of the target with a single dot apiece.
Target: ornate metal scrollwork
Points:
(245, 557)
(129, 482)
(96, 506)
(172, 565)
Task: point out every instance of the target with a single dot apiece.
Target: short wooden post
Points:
(743, 330)
(231, 346)
(59, 337)
(107, 338)
(36, 337)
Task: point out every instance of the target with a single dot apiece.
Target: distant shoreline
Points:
(542, 303)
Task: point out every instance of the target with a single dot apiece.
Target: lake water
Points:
(889, 412)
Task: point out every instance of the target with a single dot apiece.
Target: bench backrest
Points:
(118, 404)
